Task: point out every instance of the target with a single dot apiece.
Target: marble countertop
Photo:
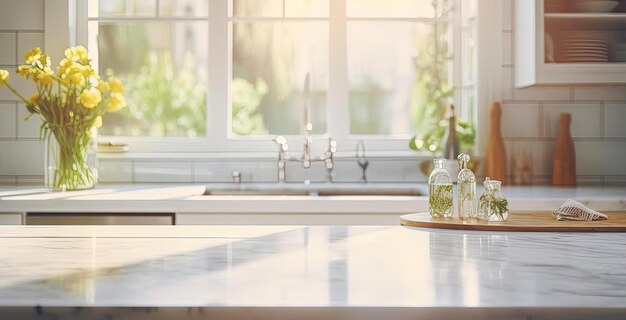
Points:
(315, 267)
(190, 199)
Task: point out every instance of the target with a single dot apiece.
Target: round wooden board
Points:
(519, 221)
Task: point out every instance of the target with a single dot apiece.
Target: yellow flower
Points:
(78, 53)
(4, 76)
(97, 122)
(116, 102)
(103, 86)
(116, 85)
(88, 71)
(45, 60)
(23, 70)
(90, 98)
(77, 79)
(35, 54)
(64, 65)
(33, 99)
(83, 56)
(44, 77)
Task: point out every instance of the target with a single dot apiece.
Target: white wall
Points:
(530, 118)
(21, 154)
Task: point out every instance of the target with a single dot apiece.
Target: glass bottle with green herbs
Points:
(466, 184)
(440, 191)
(493, 203)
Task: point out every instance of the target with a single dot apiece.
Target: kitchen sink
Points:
(315, 189)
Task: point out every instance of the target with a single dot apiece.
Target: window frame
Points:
(219, 138)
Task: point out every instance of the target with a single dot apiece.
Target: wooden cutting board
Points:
(539, 221)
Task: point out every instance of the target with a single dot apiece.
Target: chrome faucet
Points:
(308, 126)
(282, 158)
(361, 160)
(306, 159)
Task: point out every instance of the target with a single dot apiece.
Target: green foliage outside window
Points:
(246, 100)
(163, 100)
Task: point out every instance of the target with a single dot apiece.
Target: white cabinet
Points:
(569, 42)
(10, 219)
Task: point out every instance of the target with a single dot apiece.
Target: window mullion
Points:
(338, 115)
(219, 75)
(458, 57)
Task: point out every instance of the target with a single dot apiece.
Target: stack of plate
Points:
(585, 46)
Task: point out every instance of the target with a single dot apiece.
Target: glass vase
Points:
(71, 160)
(466, 182)
(440, 191)
(493, 204)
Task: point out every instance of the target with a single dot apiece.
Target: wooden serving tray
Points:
(539, 221)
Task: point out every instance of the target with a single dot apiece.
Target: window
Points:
(208, 75)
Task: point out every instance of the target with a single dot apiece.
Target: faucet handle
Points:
(329, 154)
(282, 141)
(332, 145)
(236, 175)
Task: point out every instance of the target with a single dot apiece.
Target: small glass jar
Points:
(440, 191)
(466, 186)
(493, 203)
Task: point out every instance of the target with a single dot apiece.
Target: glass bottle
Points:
(450, 139)
(466, 183)
(493, 203)
(440, 191)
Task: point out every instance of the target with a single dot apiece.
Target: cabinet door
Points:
(569, 42)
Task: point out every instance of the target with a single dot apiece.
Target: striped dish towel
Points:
(574, 210)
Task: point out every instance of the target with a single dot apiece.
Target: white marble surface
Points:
(189, 199)
(308, 267)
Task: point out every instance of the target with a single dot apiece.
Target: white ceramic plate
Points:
(596, 6)
(584, 50)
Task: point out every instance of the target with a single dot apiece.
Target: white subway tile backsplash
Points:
(27, 128)
(507, 48)
(600, 158)
(586, 119)
(542, 94)
(396, 171)
(221, 171)
(7, 48)
(539, 151)
(23, 86)
(21, 158)
(115, 171)
(589, 180)
(163, 171)
(521, 113)
(8, 180)
(507, 83)
(7, 120)
(21, 14)
(31, 180)
(348, 171)
(598, 93)
(27, 41)
(296, 173)
(615, 180)
(615, 120)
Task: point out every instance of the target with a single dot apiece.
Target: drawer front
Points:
(43, 218)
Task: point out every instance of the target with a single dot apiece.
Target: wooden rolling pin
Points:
(495, 159)
(564, 156)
